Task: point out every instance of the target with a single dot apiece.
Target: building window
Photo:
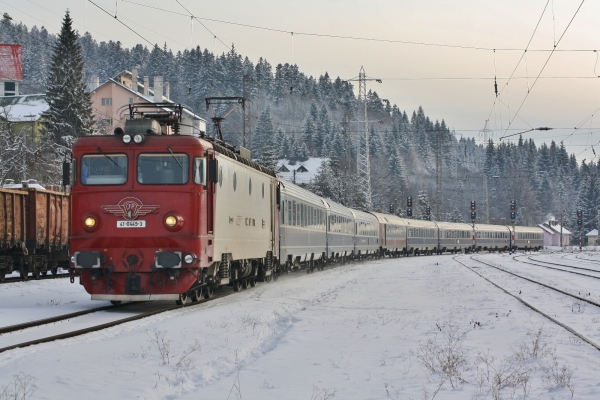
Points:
(106, 122)
(107, 101)
(10, 89)
(131, 100)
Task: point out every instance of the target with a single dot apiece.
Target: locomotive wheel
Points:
(36, 274)
(245, 285)
(24, 274)
(237, 286)
(276, 276)
(208, 293)
(197, 295)
(44, 273)
(252, 282)
(54, 271)
(116, 302)
(183, 298)
(2, 275)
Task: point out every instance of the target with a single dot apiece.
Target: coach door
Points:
(211, 187)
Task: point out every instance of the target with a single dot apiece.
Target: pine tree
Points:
(268, 158)
(263, 133)
(70, 108)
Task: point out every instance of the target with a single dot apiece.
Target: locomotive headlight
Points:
(170, 221)
(189, 258)
(126, 139)
(89, 222)
(138, 138)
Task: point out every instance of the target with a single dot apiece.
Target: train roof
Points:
(532, 229)
(364, 216)
(491, 228)
(391, 219)
(302, 194)
(454, 225)
(338, 208)
(419, 223)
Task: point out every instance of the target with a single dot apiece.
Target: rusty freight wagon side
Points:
(47, 233)
(34, 231)
(12, 228)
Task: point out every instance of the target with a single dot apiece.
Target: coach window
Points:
(200, 171)
(104, 169)
(220, 176)
(163, 169)
(263, 190)
(234, 181)
(250, 186)
(294, 212)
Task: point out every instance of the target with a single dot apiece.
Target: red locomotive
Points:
(156, 216)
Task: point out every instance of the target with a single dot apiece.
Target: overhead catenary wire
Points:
(546, 63)
(297, 33)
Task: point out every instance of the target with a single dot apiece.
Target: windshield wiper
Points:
(111, 160)
(175, 158)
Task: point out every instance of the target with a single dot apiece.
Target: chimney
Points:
(134, 80)
(158, 89)
(167, 90)
(146, 86)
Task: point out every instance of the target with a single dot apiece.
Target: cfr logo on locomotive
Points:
(130, 208)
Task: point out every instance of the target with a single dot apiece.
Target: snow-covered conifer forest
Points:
(295, 116)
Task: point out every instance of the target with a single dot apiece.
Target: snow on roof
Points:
(593, 232)
(555, 226)
(23, 108)
(11, 65)
(305, 170)
(547, 229)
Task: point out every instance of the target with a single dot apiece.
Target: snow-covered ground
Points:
(362, 331)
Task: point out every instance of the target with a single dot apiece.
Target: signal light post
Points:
(428, 212)
(580, 225)
(513, 215)
(473, 216)
(409, 206)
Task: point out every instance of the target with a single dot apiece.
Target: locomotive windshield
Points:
(163, 169)
(104, 169)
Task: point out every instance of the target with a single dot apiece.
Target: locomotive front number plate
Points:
(131, 224)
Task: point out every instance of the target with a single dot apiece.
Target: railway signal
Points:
(391, 209)
(409, 212)
(472, 206)
(428, 210)
(473, 216)
(513, 215)
(409, 202)
(579, 217)
(513, 205)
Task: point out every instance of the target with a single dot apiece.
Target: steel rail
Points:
(79, 332)
(569, 329)
(43, 277)
(559, 269)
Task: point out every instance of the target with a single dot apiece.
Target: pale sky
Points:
(450, 83)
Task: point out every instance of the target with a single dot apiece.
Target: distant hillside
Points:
(295, 116)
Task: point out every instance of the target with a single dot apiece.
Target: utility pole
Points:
(485, 134)
(438, 184)
(244, 96)
(346, 125)
(363, 163)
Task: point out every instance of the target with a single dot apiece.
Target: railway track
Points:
(31, 278)
(112, 311)
(528, 304)
(560, 269)
(158, 307)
